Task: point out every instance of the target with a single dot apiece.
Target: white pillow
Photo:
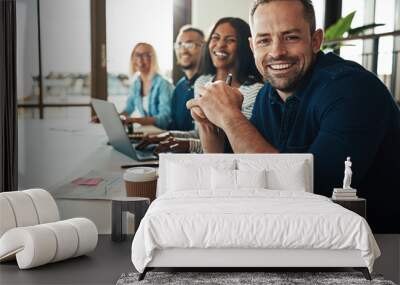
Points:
(292, 179)
(251, 178)
(281, 175)
(223, 179)
(187, 176)
(236, 179)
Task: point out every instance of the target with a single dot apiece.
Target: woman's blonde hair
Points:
(154, 62)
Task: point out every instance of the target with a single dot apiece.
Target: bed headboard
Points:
(285, 165)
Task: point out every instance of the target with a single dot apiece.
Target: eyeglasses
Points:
(144, 55)
(186, 45)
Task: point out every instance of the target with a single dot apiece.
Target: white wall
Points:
(133, 21)
(206, 12)
(65, 34)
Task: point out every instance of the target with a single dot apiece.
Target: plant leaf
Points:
(337, 30)
(358, 30)
(333, 46)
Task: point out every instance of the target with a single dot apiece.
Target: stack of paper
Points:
(344, 194)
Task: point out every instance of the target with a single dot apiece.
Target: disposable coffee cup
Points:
(141, 182)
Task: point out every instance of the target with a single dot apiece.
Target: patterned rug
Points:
(243, 278)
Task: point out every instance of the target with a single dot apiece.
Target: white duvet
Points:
(253, 218)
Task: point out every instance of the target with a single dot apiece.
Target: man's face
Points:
(283, 46)
(188, 49)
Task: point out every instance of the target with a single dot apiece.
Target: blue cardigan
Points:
(159, 100)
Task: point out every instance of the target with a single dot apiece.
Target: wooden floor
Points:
(102, 266)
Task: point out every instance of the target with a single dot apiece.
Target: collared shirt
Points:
(159, 100)
(181, 118)
(339, 110)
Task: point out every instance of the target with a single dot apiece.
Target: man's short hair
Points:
(309, 13)
(190, 28)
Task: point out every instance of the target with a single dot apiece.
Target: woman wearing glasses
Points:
(227, 51)
(150, 94)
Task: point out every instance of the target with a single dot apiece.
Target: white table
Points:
(55, 152)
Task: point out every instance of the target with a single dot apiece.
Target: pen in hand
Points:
(228, 79)
(228, 82)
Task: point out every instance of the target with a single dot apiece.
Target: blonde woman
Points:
(150, 94)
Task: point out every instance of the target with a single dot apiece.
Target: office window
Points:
(361, 51)
(384, 13)
(130, 22)
(319, 7)
(65, 36)
(27, 113)
(65, 54)
(353, 50)
(27, 53)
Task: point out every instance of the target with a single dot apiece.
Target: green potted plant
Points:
(341, 30)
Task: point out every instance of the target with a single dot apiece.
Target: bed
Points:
(246, 211)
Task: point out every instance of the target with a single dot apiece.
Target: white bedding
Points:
(252, 218)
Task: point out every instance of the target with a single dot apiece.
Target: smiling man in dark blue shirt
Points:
(188, 49)
(315, 103)
(181, 118)
(343, 110)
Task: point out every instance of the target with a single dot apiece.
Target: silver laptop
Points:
(115, 131)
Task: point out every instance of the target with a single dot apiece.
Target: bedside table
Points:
(135, 205)
(358, 206)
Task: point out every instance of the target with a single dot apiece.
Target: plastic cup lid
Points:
(140, 174)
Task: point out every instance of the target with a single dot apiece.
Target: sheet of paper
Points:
(87, 181)
(103, 185)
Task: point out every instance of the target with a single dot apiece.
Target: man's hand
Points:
(126, 120)
(172, 145)
(152, 139)
(219, 103)
(198, 116)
